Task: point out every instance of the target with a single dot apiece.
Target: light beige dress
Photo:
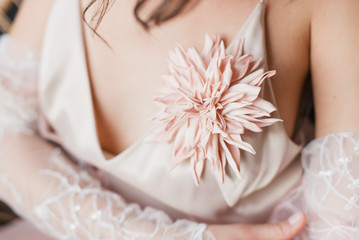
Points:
(141, 173)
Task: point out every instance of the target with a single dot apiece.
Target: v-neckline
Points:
(259, 7)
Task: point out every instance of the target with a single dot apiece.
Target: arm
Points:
(30, 22)
(332, 162)
(334, 64)
(330, 190)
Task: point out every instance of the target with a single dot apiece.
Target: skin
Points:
(319, 35)
(139, 50)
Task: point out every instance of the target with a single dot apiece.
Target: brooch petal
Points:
(210, 99)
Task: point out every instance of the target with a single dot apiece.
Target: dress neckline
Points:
(64, 95)
(255, 15)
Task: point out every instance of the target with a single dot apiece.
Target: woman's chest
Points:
(127, 75)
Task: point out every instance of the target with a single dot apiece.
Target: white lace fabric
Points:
(18, 77)
(330, 189)
(45, 187)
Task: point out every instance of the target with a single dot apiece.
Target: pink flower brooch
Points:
(208, 102)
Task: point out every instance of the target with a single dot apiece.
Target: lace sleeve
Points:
(45, 187)
(330, 189)
(18, 76)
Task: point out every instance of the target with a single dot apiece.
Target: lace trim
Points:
(18, 76)
(329, 193)
(76, 207)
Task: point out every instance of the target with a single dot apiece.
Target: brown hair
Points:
(168, 9)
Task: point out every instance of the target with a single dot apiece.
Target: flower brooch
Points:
(209, 100)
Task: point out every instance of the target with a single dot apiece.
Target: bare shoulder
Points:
(334, 17)
(335, 14)
(30, 22)
(321, 7)
(334, 58)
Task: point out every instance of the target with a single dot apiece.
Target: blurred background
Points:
(8, 9)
